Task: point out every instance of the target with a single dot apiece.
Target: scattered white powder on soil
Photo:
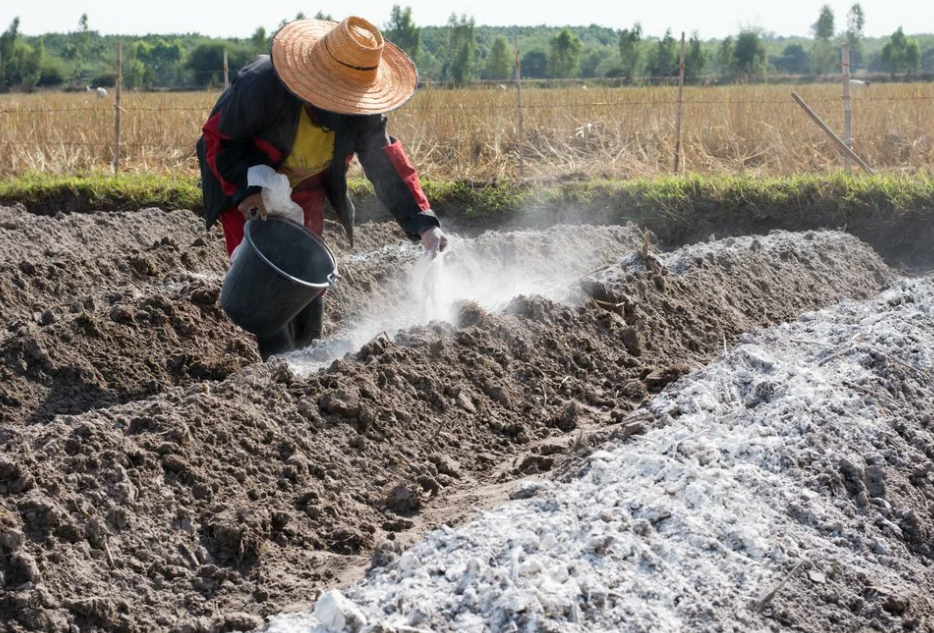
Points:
(689, 526)
(490, 270)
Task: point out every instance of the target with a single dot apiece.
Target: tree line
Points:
(461, 52)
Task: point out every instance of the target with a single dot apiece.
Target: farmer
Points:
(305, 110)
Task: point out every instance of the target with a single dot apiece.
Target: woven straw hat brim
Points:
(323, 82)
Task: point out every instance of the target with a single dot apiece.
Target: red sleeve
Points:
(405, 171)
(394, 178)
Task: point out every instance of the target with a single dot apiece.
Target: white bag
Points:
(277, 194)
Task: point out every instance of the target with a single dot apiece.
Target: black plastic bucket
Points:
(277, 271)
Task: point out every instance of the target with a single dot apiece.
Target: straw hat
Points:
(346, 68)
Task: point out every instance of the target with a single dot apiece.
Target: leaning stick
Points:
(767, 598)
(836, 139)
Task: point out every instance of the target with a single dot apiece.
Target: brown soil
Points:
(155, 476)
(106, 309)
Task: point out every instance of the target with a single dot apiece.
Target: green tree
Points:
(749, 54)
(259, 42)
(84, 57)
(535, 65)
(138, 71)
(401, 31)
(25, 66)
(891, 58)
(160, 60)
(695, 58)
(564, 54)
(794, 60)
(462, 48)
(592, 60)
(499, 59)
(31, 67)
(901, 54)
(132, 74)
(824, 56)
(927, 60)
(83, 38)
(855, 24)
(823, 29)
(70, 51)
(912, 56)
(663, 62)
(53, 72)
(629, 51)
(7, 46)
(206, 61)
(22, 63)
(726, 57)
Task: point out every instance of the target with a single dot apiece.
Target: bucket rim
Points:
(331, 277)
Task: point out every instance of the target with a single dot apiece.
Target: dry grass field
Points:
(473, 134)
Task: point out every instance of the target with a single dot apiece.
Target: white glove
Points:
(276, 193)
(435, 241)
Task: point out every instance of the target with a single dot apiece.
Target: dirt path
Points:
(155, 476)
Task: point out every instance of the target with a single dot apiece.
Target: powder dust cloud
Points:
(488, 270)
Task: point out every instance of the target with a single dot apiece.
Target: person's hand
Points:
(252, 205)
(434, 240)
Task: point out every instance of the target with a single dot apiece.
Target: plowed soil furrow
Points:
(785, 486)
(96, 314)
(217, 489)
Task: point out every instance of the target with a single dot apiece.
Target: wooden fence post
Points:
(117, 110)
(226, 71)
(519, 101)
(678, 112)
(847, 109)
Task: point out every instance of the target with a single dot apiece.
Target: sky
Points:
(712, 19)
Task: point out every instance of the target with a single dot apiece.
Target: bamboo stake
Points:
(679, 110)
(519, 102)
(847, 109)
(117, 110)
(836, 139)
(226, 71)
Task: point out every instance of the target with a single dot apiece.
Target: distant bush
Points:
(206, 61)
(52, 72)
(106, 79)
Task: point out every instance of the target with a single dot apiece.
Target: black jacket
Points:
(254, 123)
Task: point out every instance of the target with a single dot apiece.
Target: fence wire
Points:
(510, 107)
(565, 135)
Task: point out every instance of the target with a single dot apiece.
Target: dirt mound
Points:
(26, 236)
(694, 301)
(100, 315)
(246, 494)
(786, 486)
(101, 309)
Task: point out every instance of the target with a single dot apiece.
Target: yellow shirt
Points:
(311, 153)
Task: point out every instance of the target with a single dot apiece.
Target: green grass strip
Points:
(48, 194)
(891, 212)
